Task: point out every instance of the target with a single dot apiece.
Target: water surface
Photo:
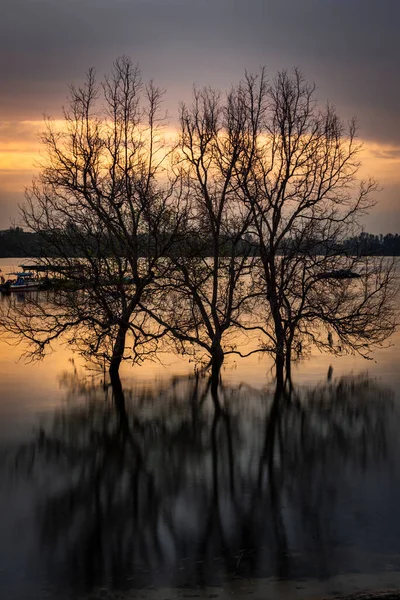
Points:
(173, 488)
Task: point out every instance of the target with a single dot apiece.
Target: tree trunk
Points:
(217, 355)
(118, 350)
(278, 326)
(280, 351)
(217, 358)
(288, 358)
(119, 401)
(215, 382)
(280, 370)
(288, 367)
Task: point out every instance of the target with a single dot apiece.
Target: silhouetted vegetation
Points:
(374, 245)
(17, 243)
(99, 195)
(248, 221)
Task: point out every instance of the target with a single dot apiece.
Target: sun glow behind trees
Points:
(21, 153)
(263, 163)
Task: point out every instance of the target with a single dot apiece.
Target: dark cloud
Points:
(387, 153)
(350, 48)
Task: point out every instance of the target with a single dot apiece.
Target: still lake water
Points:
(173, 498)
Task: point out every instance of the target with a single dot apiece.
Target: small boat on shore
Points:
(339, 274)
(24, 282)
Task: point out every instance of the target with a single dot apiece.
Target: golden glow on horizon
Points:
(381, 161)
(255, 369)
(21, 151)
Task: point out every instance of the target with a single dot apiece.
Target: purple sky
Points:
(350, 48)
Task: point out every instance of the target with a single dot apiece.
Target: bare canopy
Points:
(306, 203)
(243, 225)
(107, 212)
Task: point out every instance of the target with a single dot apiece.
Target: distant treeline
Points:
(369, 244)
(15, 242)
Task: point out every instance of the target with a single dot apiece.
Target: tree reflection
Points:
(193, 481)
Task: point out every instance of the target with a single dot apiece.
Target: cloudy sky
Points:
(349, 48)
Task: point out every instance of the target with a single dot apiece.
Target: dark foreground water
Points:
(175, 488)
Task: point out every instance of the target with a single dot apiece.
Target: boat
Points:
(24, 282)
(339, 274)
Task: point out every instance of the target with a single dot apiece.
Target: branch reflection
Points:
(193, 481)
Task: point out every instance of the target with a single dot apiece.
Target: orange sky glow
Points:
(21, 152)
(349, 49)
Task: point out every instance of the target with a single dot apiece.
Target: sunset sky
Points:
(349, 48)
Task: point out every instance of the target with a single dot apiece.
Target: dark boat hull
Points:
(25, 287)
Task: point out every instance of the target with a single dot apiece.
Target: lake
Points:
(176, 493)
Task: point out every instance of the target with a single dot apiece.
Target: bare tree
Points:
(107, 211)
(247, 231)
(207, 288)
(302, 191)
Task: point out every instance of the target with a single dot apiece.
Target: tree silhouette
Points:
(301, 187)
(208, 286)
(106, 210)
(248, 229)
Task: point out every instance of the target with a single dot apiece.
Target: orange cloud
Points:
(21, 151)
(381, 161)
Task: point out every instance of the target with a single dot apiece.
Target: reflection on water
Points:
(191, 482)
(195, 482)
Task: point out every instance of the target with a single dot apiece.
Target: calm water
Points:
(184, 491)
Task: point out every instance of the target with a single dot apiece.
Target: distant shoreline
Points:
(17, 243)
